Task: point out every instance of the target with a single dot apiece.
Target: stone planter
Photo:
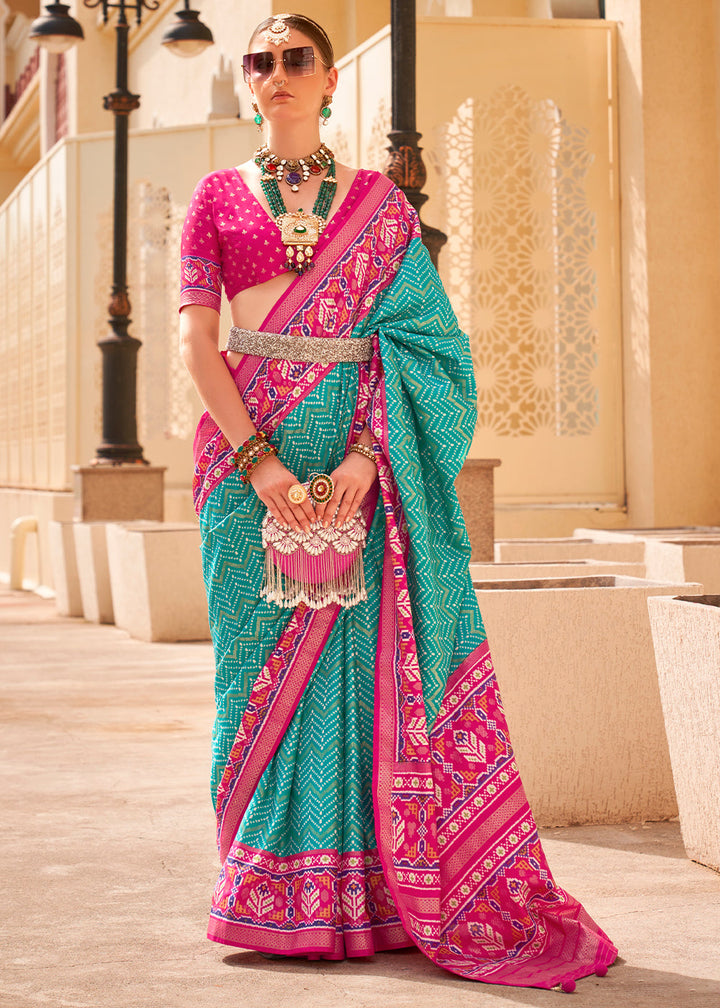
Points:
(575, 663)
(156, 578)
(686, 635)
(547, 569)
(63, 562)
(92, 570)
(689, 554)
(573, 548)
(475, 487)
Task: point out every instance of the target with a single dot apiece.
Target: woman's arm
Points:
(199, 331)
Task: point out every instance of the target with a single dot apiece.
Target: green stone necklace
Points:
(299, 232)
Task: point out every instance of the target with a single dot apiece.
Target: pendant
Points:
(299, 232)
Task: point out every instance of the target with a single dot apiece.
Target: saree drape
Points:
(366, 791)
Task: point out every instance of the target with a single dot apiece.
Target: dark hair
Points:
(308, 27)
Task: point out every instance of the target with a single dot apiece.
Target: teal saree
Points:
(366, 791)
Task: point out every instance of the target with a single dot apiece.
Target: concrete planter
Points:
(574, 660)
(681, 554)
(63, 561)
(547, 569)
(92, 570)
(475, 487)
(156, 578)
(686, 635)
(573, 548)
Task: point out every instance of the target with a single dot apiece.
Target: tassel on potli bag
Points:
(318, 567)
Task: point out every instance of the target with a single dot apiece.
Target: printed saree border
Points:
(273, 699)
(333, 903)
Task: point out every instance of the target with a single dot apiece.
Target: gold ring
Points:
(297, 493)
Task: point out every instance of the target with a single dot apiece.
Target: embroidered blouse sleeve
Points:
(200, 253)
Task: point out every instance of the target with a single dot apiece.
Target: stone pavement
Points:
(108, 855)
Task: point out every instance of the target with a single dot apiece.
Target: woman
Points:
(366, 792)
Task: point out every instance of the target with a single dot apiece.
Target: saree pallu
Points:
(366, 791)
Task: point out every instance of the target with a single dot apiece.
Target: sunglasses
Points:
(298, 62)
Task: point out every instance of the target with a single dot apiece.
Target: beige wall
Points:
(669, 158)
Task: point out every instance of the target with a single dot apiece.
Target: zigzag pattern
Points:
(429, 390)
(328, 803)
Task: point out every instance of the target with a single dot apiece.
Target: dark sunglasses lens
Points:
(299, 62)
(258, 65)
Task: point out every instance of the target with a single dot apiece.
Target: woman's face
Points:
(285, 97)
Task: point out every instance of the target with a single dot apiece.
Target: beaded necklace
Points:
(293, 171)
(299, 232)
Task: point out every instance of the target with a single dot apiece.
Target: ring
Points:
(297, 493)
(321, 487)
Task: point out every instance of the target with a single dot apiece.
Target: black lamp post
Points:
(405, 164)
(57, 31)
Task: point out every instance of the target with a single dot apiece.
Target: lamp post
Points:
(57, 30)
(405, 164)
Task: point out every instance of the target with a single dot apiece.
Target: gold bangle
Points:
(362, 449)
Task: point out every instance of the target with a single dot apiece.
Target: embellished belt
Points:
(310, 349)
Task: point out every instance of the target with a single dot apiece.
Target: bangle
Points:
(251, 453)
(362, 449)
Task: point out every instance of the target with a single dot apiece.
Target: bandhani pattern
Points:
(455, 832)
(371, 749)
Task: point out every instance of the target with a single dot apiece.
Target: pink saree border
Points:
(211, 450)
(456, 837)
(334, 904)
(271, 705)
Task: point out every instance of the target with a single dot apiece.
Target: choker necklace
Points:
(294, 171)
(299, 232)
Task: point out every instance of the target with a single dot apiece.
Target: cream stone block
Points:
(92, 566)
(689, 553)
(624, 535)
(687, 559)
(570, 568)
(476, 493)
(156, 578)
(686, 635)
(574, 661)
(63, 562)
(118, 492)
(572, 548)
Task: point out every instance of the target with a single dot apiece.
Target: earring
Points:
(326, 111)
(258, 119)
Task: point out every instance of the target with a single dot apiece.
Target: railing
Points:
(12, 94)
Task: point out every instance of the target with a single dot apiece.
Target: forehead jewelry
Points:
(278, 32)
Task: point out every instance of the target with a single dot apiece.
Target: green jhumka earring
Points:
(326, 111)
(257, 118)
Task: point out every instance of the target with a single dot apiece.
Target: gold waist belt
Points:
(310, 349)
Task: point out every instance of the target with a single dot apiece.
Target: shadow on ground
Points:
(625, 984)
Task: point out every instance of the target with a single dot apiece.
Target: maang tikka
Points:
(278, 32)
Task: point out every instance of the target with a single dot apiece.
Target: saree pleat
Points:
(366, 789)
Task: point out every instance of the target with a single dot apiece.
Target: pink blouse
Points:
(229, 240)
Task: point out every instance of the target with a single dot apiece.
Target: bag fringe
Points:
(315, 580)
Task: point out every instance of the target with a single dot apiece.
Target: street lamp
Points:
(405, 164)
(57, 31)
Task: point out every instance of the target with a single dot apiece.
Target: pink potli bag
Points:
(318, 567)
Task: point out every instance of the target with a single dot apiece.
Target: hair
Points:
(308, 27)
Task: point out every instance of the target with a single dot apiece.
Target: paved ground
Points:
(108, 855)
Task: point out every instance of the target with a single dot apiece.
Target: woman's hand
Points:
(352, 478)
(271, 481)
